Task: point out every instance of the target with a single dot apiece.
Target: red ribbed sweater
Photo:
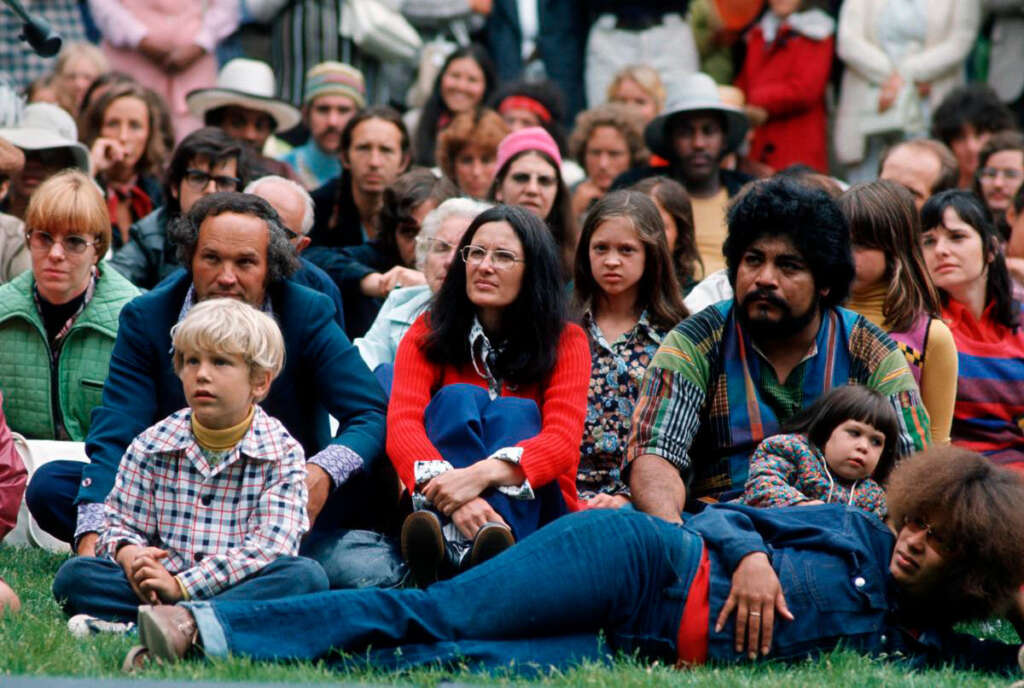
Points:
(554, 454)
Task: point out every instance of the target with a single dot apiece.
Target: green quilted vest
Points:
(81, 368)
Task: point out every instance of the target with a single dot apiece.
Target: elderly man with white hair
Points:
(295, 208)
(439, 236)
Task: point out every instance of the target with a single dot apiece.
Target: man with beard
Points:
(334, 93)
(694, 133)
(732, 374)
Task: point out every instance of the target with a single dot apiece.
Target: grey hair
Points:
(307, 215)
(282, 262)
(454, 207)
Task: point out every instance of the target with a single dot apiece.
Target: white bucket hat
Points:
(246, 83)
(44, 126)
(697, 92)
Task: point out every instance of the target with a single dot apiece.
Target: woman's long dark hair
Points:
(530, 326)
(658, 290)
(425, 138)
(969, 208)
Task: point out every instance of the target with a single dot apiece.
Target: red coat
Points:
(788, 79)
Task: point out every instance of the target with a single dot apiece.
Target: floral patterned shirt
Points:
(617, 369)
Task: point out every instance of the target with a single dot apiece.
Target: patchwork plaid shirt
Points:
(683, 413)
(220, 523)
(18, 62)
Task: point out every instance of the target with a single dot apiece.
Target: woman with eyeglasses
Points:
(961, 250)
(442, 231)
(206, 161)
(489, 398)
(367, 273)
(59, 320)
(529, 175)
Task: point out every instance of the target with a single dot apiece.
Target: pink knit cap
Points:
(530, 138)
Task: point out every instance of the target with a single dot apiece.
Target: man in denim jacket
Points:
(733, 583)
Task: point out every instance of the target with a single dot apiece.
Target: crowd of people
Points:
(686, 330)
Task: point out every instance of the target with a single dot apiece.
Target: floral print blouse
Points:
(617, 369)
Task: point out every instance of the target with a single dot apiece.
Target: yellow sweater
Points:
(939, 369)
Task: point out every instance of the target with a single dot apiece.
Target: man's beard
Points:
(787, 324)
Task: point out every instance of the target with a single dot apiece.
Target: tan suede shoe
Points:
(168, 631)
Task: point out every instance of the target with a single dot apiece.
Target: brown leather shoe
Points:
(168, 631)
(423, 546)
(491, 540)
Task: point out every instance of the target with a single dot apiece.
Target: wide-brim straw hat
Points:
(698, 92)
(43, 126)
(245, 83)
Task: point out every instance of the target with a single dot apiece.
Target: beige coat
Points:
(952, 29)
(14, 256)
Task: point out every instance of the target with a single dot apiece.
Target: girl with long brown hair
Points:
(892, 288)
(628, 298)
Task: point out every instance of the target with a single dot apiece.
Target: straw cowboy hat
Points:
(696, 93)
(245, 83)
(44, 126)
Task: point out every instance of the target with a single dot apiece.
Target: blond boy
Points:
(211, 500)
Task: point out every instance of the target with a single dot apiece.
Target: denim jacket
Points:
(834, 572)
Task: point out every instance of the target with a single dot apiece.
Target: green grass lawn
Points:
(36, 642)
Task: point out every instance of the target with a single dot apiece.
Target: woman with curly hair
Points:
(121, 129)
(467, 151)
(607, 141)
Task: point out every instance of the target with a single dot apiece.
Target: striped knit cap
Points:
(335, 78)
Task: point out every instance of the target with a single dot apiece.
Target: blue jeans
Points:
(465, 425)
(621, 574)
(98, 586)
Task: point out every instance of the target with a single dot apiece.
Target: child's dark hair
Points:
(851, 402)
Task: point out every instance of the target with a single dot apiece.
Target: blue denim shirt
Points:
(833, 564)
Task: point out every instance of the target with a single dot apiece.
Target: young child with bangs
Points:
(839, 450)
(210, 501)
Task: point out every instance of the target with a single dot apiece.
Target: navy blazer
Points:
(323, 374)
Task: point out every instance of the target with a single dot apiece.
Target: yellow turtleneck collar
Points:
(221, 440)
(869, 303)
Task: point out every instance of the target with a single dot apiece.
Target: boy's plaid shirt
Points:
(219, 524)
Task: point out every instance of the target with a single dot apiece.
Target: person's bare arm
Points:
(657, 487)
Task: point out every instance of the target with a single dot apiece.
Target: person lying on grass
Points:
(210, 501)
(734, 583)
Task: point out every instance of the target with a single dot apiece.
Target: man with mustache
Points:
(334, 93)
(732, 374)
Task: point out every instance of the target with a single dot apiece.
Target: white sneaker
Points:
(85, 625)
